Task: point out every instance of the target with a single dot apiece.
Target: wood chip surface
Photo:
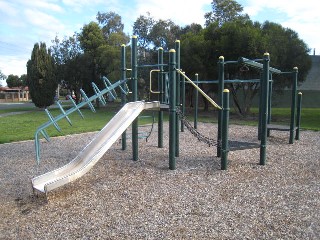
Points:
(124, 199)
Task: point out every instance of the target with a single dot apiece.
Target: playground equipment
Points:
(264, 126)
(169, 99)
(109, 88)
(90, 155)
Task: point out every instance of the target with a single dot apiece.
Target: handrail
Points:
(200, 90)
(153, 70)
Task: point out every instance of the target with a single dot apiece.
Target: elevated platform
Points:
(164, 107)
(279, 127)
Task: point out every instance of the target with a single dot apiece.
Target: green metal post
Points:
(177, 49)
(269, 103)
(298, 116)
(161, 98)
(123, 96)
(134, 79)
(172, 110)
(183, 99)
(195, 102)
(220, 101)
(293, 104)
(260, 107)
(264, 109)
(225, 130)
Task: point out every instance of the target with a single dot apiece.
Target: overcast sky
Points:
(25, 22)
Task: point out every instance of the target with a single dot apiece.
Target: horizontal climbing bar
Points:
(229, 81)
(255, 64)
(152, 65)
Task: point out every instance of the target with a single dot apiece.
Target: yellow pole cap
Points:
(172, 50)
(177, 40)
(266, 54)
(134, 36)
(196, 74)
(299, 93)
(226, 90)
(123, 45)
(160, 48)
(221, 58)
(295, 68)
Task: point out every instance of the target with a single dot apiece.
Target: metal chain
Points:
(195, 132)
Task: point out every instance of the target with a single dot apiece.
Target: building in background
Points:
(17, 94)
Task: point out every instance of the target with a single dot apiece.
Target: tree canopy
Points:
(13, 81)
(95, 51)
(42, 80)
(224, 11)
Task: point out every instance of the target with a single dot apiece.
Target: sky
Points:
(25, 22)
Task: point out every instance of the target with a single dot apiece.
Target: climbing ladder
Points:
(109, 89)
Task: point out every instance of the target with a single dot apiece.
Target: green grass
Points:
(310, 117)
(23, 126)
(16, 109)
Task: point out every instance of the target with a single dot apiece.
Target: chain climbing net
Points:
(195, 132)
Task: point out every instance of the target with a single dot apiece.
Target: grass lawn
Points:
(23, 126)
(310, 117)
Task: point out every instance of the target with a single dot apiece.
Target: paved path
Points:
(16, 107)
(13, 113)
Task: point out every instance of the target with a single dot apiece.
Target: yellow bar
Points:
(202, 92)
(153, 70)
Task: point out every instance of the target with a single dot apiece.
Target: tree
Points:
(224, 11)
(91, 38)
(108, 53)
(142, 28)
(195, 58)
(13, 81)
(71, 64)
(110, 22)
(164, 33)
(2, 76)
(155, 33)
(23, 79)
(42, 81)
(244, 38)
(287, 50)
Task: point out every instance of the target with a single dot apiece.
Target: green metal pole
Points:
(269, 103)
(123, 96)
(177, 48)
(134, 79)
(172, 110)
(293, 104)
(260, 107)
(225, 130)
(161, 98)
(299, 115)
(264, 110)
(220, 101)
(195, 102)
(183, 99)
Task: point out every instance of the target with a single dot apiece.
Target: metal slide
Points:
(88, 157)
